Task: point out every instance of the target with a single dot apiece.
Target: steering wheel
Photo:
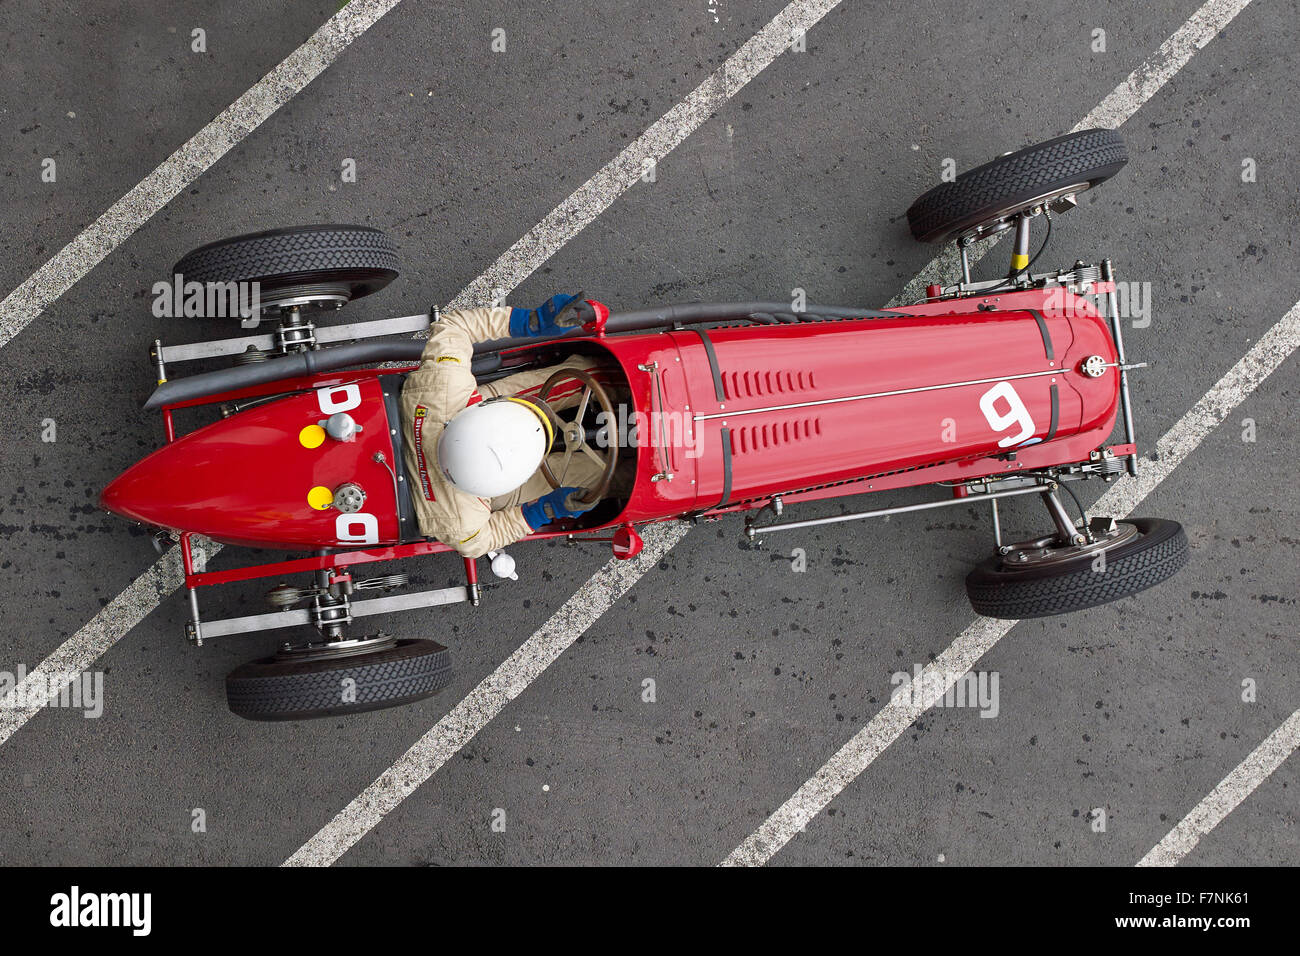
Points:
(575, 435)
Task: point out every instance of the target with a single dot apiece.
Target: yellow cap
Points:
(320, 497)
(546, 422)
(312, 436)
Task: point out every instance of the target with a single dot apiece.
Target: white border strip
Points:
(80, 651)
(1227, 796)
(516, 264)
(587, 203)
(660, 138)
(973, 643)
(485, 701)
(75, 260)
(1112, 112)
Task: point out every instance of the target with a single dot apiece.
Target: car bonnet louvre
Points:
(764, 384)
(774, 436)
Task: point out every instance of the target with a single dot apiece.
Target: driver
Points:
(474, 451)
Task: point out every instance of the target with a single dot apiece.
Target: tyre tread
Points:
(1078, 588)
(1090, 155)
(257, 257)
(270, 689)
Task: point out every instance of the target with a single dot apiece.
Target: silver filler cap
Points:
(1094, 366)
(349, 498)
(341, 426)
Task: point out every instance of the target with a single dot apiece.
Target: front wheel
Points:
(325, 681)
(1045, 579)
(300, 265)
(988, 198)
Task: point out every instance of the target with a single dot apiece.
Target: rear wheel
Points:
(1045, 578)
(329, 680)
(988, 198)
(326, 265)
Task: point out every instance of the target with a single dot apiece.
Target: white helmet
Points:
(495, 446)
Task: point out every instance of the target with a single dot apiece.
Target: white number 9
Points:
(1016, 414)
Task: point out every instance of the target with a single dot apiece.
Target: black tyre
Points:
(1158, 550)
(322, 263)
(1002, 189)
(285, 688)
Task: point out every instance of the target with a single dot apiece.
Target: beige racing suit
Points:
(441, 387)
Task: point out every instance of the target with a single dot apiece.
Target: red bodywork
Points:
(808, 410)
(245, 479)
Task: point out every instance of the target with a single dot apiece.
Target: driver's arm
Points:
(452, 337)
(480, 325)
(498, 530)
(457, 330)
(482, 532)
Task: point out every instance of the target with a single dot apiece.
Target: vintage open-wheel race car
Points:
(983, 390)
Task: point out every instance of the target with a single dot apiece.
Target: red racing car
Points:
(983, 390)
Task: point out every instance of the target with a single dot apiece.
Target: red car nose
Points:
(130, 496)
(110, 497)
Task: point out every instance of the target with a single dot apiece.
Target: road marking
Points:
(485, 701)
(1112, 112)
(541, 242)
(96, 243)
(518, 262)
(105, 629)
(660, 138)
(894, 718)
(71, 264)
(1147, 80)
(1227, 796)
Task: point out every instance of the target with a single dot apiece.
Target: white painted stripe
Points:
(894, 718)
(1227, 796)
(516, 264)
(662, 137)
(99, 240)
(184, 166)
(81, 650)
(485, 701)
(1147, 80)
(1260, 361)
(539, 244)
(867, 744)
(1112, 112)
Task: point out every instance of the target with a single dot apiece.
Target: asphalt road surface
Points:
(797, 179)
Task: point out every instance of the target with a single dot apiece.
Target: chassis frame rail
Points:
(302, 616)
(752, 530)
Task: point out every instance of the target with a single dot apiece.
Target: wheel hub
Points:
(1046, 551)
(1058, 200)
(322, 650)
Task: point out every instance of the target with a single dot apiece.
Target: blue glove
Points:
(553, 506)
(540, 321)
